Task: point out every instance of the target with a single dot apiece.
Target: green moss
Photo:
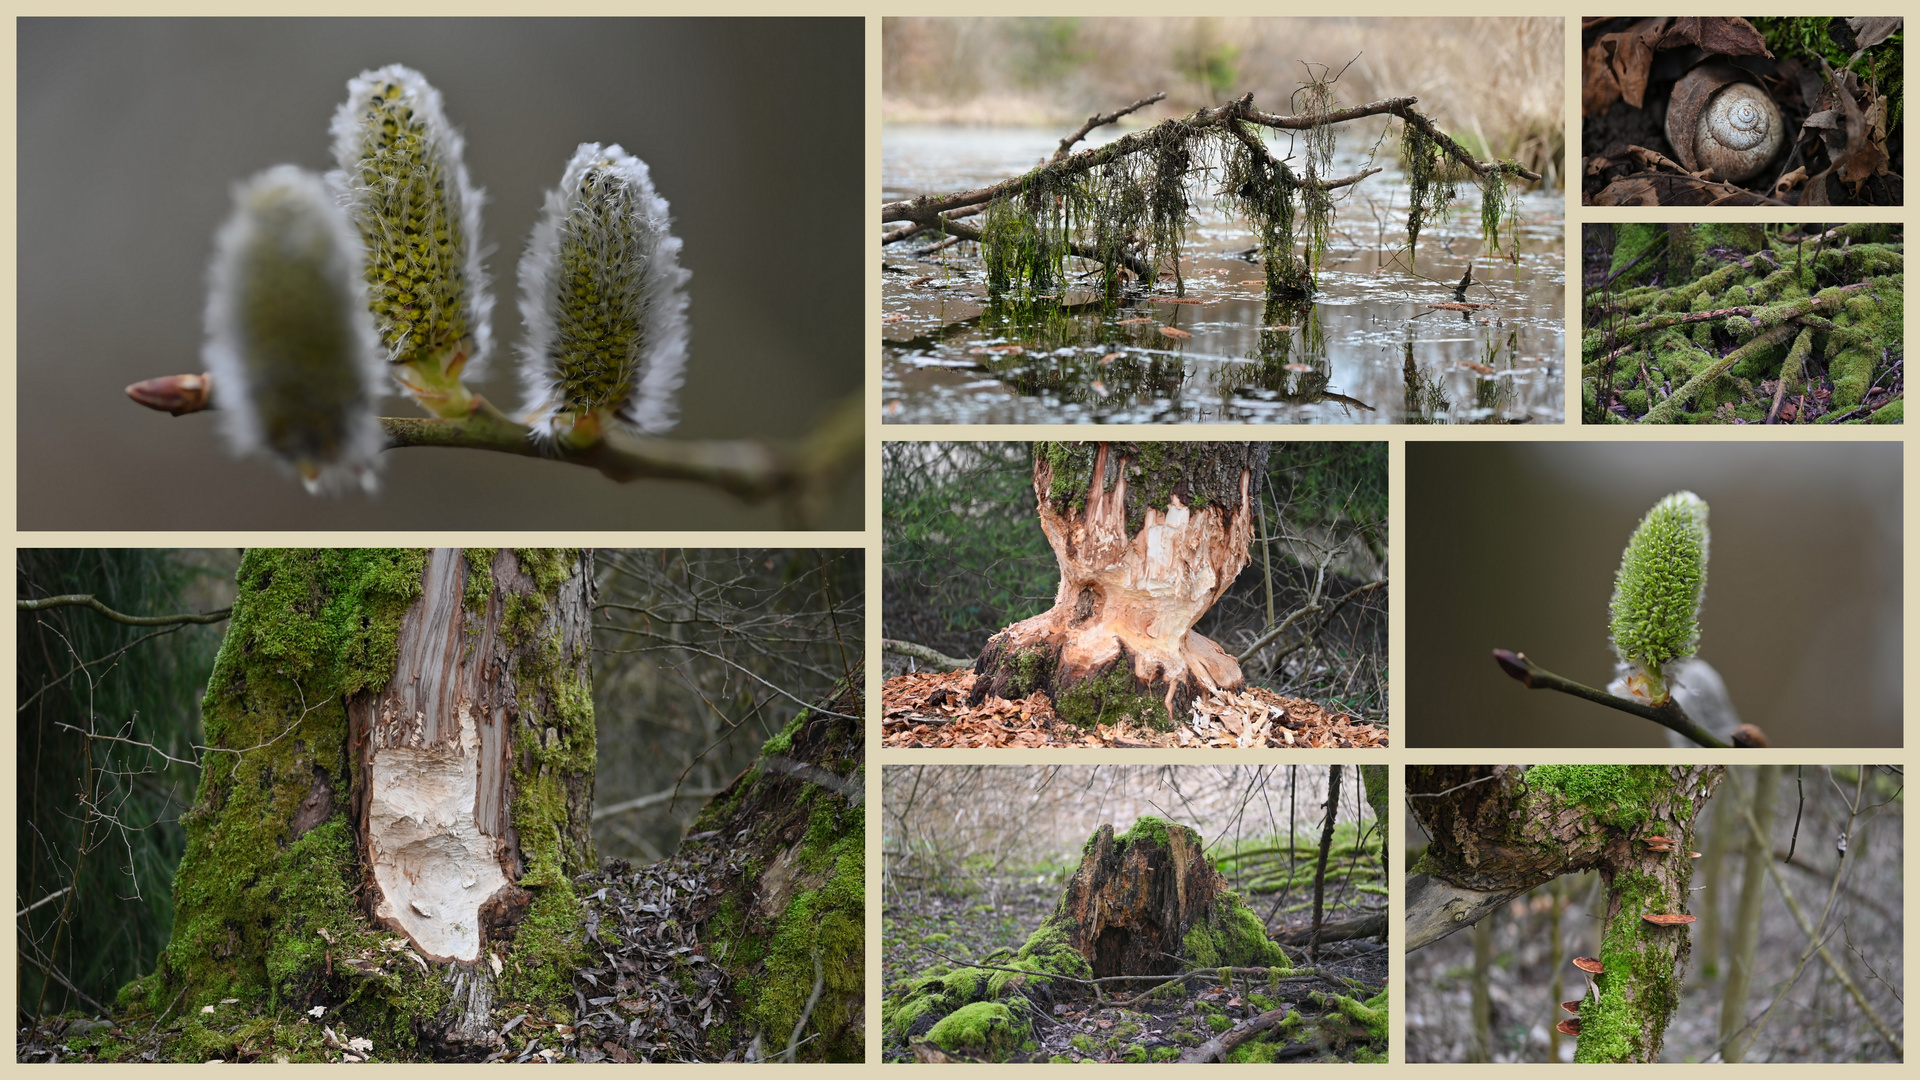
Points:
(1029, 670)
(782, 744)
(1218, 1022)
(1890, 413)
(984, 1028)
(310, 627)
(1616, 794)
(479, 578)
(1852, 372)
(1232, 936)
(1109, 698)
(1163, 1053)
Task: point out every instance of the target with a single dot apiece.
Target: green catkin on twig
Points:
(1655, 612)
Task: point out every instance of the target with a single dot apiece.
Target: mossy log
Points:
(789, 929)
(397, 790)
(1148, 536)
(1148, 902)
(1497, 831)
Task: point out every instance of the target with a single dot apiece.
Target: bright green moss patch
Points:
(984, 1028)
(1616, 794)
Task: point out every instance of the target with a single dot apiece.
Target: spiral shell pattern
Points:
(1737, 120)
(1718, 120)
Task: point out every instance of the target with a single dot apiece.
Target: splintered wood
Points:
(929, 710)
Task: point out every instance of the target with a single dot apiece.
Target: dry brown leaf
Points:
(1178, 335)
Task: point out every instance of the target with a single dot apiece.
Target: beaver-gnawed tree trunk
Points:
(1497, 831)
(397, 792)
(1148, 536)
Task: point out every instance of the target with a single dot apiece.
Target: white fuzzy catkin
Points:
(601, 296)
(402, 175)
(290, 342)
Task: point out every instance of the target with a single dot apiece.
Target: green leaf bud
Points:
(401, 175)
(290, 342)
(1655, 613)
(601, 293)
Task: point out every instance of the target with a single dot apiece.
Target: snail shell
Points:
(1718, 120)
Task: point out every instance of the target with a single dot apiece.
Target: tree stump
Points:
(1147, 902)
(1148, 537)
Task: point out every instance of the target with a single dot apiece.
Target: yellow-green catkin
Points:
(601, 293)
(399, 171)
(290, 344)
(1655, 613)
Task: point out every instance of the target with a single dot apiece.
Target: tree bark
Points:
(1501, 830)
(1148, 536)
(397, 791)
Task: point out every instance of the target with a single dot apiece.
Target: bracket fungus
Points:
(1589, 965)
(1670, 920)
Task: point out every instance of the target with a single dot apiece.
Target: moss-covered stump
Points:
(1146, 903)
(383, 721)
(787, 924)
(1148, 536)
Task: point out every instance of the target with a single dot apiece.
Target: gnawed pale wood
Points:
(434, 750)
(1128, 596)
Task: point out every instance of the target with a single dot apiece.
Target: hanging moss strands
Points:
(1127, 206)
(1430, 180)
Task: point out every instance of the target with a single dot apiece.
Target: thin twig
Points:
(88, 600)
(1100, 120)
(1669, 715)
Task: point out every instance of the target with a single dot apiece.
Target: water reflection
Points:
(1224, 352)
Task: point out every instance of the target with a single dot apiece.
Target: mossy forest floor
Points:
(929, 710)
(997, 913)
(1776, 328)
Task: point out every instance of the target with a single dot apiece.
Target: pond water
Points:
(1365, 349)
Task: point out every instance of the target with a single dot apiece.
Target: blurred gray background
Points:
(132, 133)
(1515, 545)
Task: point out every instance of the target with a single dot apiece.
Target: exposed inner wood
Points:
(434, 752)
(1130, 908)
(1131, 599)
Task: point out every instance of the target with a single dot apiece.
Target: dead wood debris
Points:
(651, 992)
(929, 710)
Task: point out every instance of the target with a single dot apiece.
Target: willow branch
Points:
(87, 600)
(1669, 715)
(749, 468)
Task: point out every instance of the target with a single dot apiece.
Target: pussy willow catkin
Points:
(401, 175)
(1655, 613)
(290, 342)
(601, 296)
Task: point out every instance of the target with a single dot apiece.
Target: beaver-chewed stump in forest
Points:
(1148, 536)
(1148, 902)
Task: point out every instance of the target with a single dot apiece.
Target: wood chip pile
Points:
(929, 710)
